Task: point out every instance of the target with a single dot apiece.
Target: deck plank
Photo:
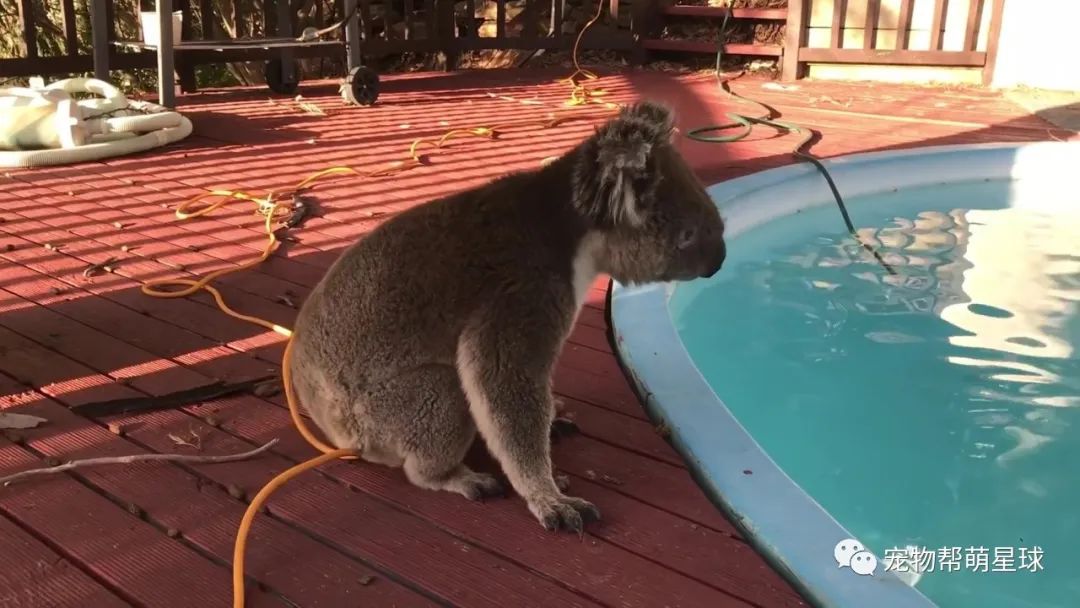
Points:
(677, 491)
(41, 577)
(387, 537)
(107, 540)
(135, 341)
(265, 297)
(66, 336)
(580, 566)
(284, 559)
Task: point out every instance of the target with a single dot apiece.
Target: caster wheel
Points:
(274, 80)
(361, 87)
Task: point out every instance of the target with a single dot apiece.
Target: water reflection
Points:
(991, 294)
(1012, 284)
(1009, 280)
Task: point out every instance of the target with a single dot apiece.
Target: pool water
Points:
(938, 408)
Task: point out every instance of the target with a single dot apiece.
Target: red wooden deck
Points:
(348, 534)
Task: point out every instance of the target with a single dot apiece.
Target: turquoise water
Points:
(938, 408)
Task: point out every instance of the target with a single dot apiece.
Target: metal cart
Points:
(361, 86)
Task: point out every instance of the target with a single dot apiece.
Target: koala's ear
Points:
(617, 170)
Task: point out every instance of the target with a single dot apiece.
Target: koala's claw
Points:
(569, 514)
(562, 428)
(483, 486)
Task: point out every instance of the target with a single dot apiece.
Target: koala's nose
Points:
(717, 262)
(712, 271)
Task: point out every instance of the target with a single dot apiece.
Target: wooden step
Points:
(717, 12)
(706, 46)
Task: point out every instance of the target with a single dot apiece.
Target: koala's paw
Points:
(565, 513)
(480, 486)
(562, 428)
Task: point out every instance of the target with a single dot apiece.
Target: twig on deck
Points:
(75, 464)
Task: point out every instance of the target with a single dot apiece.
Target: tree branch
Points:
(75, 464)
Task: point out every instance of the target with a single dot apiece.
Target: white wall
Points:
(1036, 50)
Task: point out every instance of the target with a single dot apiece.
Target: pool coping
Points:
(791, 530)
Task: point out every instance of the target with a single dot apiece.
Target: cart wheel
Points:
(274, 79)
(361, 87)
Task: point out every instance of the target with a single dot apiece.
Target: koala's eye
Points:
(686, 237)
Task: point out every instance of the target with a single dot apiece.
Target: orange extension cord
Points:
(272, 209)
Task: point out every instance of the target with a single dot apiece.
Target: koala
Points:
(446, 320)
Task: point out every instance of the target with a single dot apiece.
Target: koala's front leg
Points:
(506, 382)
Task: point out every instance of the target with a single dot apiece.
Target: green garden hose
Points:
(747, 123)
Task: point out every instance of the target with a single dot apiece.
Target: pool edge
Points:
(739, 477)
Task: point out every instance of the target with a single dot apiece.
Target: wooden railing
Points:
(869, 32)
(799, 22)
(651, 16)
(30, 50)
(427, 26)
(452, 27)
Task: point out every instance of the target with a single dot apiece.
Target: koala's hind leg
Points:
(504, 369)
(425, 413)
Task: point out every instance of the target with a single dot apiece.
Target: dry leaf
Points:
(828, 99)
(93, 269)
(19, 421)
(774, 86)
(612, 480)
(194, 441)
(311, 108)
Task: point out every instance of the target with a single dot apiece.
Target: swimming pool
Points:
(820, 399)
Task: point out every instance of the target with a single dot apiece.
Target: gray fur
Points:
(448, 319)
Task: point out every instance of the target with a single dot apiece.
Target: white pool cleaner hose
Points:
(47, 126)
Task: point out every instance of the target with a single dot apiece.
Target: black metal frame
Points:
(286, 44)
